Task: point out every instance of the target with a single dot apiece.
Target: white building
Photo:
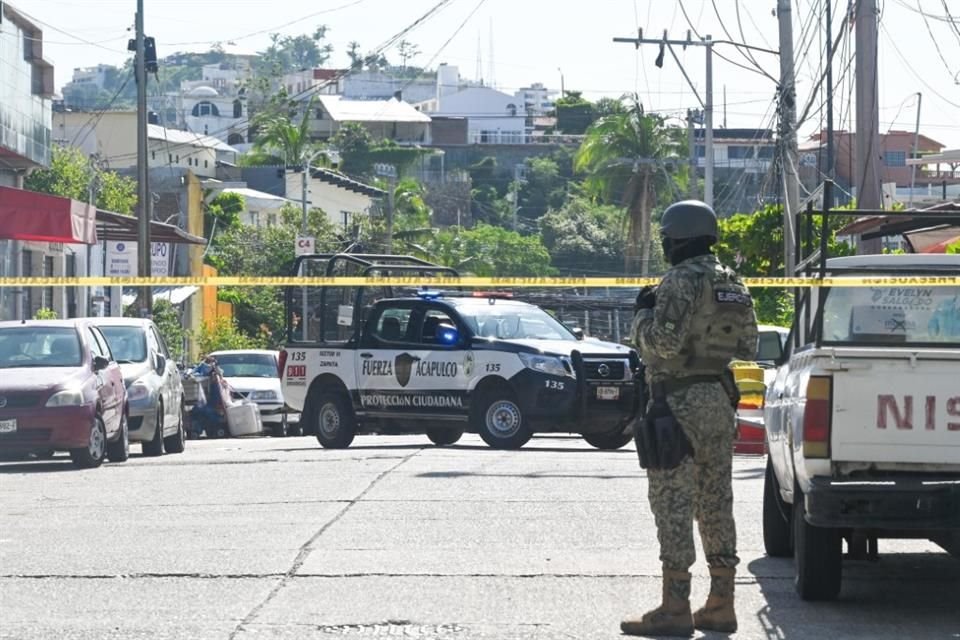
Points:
(537, 99)
(385, 119)
(339, 196)
(92, 76)
(315, 81)
(207, 112)
(262, 209)
(112, 136)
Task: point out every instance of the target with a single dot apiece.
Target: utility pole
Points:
(692, 145)
(144, 209)
(708, 126)
(790, 160)
(389, 172)
(916, 151)
(869, 188)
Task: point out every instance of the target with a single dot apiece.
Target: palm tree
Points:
(625, 159)
(281, 136)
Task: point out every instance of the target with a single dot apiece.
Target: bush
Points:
(225, 334)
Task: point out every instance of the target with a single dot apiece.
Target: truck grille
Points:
(604, 370)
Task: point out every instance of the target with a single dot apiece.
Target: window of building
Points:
(271, 219)
(319, 113)
(206, 164)
(895, 158)
(739, 152)
(153, 155)
(170, 158)
(765, 152)
(255, 219)
(701, 151)
(237, 109)
(205, 108)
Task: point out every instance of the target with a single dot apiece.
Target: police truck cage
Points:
(811, 250)
(318, 314)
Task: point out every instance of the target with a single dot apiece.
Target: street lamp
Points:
(563, 90)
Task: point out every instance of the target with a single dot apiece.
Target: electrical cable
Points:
(94, 120)
(936, 45)
(760, 72)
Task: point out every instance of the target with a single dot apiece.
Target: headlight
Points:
(137, 391)
(263, 395)
(66, 398)
(551, 365)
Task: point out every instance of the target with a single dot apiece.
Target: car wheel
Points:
(444, 437)
(119, 450)
(154, 447)
(178, 441)
(499, 421)
(817, 555)
(609, 441)
(336, 426)
(92, 455)
(776, 517)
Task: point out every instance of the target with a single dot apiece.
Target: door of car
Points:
(168, 375)
(410, 363)
(110, 388)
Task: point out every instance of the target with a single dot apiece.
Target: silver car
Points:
(154, 388)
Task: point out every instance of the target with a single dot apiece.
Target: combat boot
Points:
(672, 617)
(718, 613)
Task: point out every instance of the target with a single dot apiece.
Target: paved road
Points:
(278, 539)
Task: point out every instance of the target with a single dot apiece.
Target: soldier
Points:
(688, 329)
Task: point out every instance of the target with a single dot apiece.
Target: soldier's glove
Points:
(646, 299)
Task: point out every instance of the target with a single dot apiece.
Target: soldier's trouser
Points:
(701, 486)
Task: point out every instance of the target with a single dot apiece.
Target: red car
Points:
(60, 390)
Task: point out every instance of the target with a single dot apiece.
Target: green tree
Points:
(574, 113)
(584, 238)
(223, 212)
(224, 334)
(625, 157)
(491, 251)
(282, 135)
(168, 322)
(354, 52)
(407, 51)
(354, 143)
(543, 188)
(953, 248)
(71, 175)
(608, 107)
(752, 243)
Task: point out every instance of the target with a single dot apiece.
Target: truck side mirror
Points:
(577, 332)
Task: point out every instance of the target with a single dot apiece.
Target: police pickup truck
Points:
(863, 419)
(446, 363)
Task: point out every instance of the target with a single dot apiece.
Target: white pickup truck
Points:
(863, 418)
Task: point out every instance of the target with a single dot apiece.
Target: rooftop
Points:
(391, 110)
(178, 137)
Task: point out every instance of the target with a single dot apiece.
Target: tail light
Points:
(282, 363)
(817, 417)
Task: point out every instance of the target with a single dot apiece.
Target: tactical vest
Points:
(722, 325)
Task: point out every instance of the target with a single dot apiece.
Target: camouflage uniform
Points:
(703, 318)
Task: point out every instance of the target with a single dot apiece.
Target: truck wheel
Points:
(609, 441)
(499, 421)
(336, 426)
(444, 437)
(776, 517)
(817, 555)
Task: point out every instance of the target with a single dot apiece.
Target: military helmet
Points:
(689, 219)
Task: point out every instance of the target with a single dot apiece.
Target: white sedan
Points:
(253, 374)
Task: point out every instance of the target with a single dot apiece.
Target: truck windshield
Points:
(513, 322)
(891, 316)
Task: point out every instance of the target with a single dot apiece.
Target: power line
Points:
(914, 71)
(936, 44)
(97, 116)
(758, 71)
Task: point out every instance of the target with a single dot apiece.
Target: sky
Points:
(518, 42)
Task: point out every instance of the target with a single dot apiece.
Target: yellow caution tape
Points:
(466, 281)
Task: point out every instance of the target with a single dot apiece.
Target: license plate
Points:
(608, 393)
(8, 426)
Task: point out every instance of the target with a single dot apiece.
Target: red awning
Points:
(28, 215)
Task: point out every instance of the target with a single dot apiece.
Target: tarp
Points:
(28, 215)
